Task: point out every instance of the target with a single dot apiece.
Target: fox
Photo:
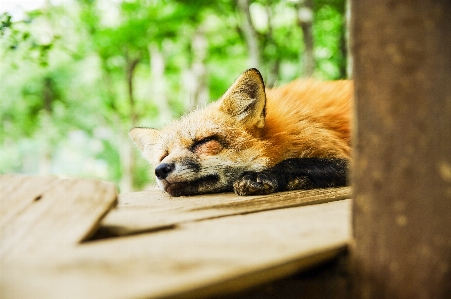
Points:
(255, 141)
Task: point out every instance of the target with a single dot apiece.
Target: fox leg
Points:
(294, 174)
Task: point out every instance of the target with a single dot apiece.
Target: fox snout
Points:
(163, 170)
(181, 177)
(179, 169)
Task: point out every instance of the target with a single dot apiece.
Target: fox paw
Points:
(255, 183)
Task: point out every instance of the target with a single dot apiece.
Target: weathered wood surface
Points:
(194, 259)
(47, 214)
(152, 210)
(212, 244)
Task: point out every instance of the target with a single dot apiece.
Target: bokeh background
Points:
(76, 76)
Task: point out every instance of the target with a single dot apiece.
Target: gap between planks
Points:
(45, 214)
(153, 210)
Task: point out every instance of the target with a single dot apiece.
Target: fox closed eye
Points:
(202, 141)
(208, 145)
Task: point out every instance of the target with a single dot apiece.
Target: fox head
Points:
(208, 149)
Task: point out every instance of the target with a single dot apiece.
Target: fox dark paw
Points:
(255, 183)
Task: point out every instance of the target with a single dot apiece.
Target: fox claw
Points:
(255, 183)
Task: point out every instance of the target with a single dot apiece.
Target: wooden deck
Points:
(56, 242)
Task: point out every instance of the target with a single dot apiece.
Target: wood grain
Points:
(47, 214)
(153, 210)
(196, 259)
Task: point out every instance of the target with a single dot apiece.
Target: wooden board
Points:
(153, 210)
(47, 214)
(194, 259)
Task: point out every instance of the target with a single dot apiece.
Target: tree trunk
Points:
(194, 79)
(48, 96)
(349, 56)
(199, 69)
(109, 85)
(127, 154)
(250, 34)
(130, 72)
(274, 68)
(158, 83)
(305, 21)
(402, 149)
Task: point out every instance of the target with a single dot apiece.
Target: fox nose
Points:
(163, 170)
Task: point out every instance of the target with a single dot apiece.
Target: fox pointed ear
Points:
(245, 100)
(144, 137)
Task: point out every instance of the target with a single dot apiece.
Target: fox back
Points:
(254, 134)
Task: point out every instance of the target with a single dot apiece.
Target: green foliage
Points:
(77, 76)
(329, 32)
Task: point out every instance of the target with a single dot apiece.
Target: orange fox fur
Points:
(250, 129)
(321, 111)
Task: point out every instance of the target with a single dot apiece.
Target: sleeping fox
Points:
(255, 140)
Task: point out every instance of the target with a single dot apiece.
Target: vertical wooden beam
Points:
(402, 170)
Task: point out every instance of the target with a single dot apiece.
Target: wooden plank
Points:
(47, 214)
(19, 192)
(402, 166)
(152, 210)
(197, 259)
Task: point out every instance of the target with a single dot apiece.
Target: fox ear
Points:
(246, 100)
(144, 137)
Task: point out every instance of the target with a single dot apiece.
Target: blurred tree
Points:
(250, 34)
(305, 21)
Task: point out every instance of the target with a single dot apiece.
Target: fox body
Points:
(255, 141)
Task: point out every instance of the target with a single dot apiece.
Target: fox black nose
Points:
(163, 170)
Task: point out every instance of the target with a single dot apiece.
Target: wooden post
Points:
(402, 169)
